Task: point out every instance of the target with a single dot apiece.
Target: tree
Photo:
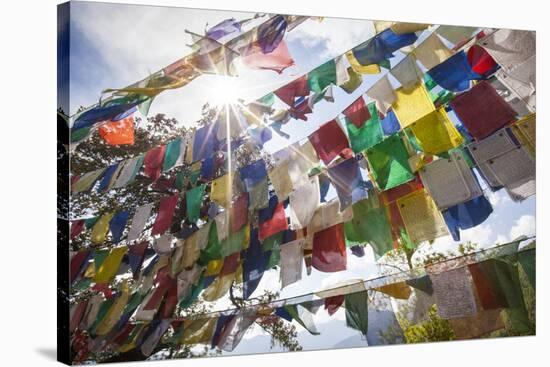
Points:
(95, 153)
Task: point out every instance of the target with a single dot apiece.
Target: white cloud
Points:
(497, 198)
(525, 225)
(333, 34)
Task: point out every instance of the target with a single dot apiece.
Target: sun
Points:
(224, 90)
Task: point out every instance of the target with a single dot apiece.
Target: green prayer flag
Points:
(99, 257)
(181, 180)
(321, 77)
(527, 261)
(103, 309)
(171, 154)
(429, 82)
(90, 222)
(368, 135)
(357, 313)
(77, 135)
(193, 200)
(389, 162)
(272, 242)
(275, 258)
(196, 289)
(234, 242)
(309, 326)
(369, 224)
(213, 250)
(385, 64)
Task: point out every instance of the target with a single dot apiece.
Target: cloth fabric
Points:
(328, 215)
(77, 227)
(117, 225)
(361, 69)
(167, 207)
(303, 316)
(275, 224)
(435, 132)
(357, 315)
(346, 178)
(128, 172)
(382, 93)
(388, 162)
(467, 215)
(357, 112)
(355, 80)
(205, 142)
(382, 46)
(193, 202)
(136, 255)
(101, 228)
(411, 105)
(152, 162)
(270, 33)
(253, 173)
(172, 155)
(382, 321)
(163, 244)
(480, 60)
(404, 27)
(114, 312)
(153, 339)
(422, 219)
(198, 331)
(450, 181)
(407, 72)
(453, 293)
(108, 177)
(390, 124)
(332, 304)
(258, 196)
(109, 267)
(322, 76)
(221, 190)
(87, 181)
(277, 60)
(140, 218)
(368, 135)
(329, 249)
(455, 73)
(455, 34)
(489, 291)
(291, 262)
(235, 330)
(510, 47)
(304, 200)
(329, 141)
(482, 111)
(521, 82)
(525, 130)
(224, 28)
(342, 75)
(118, 132)
(235, 242)
(399, 290)
(239, 213)
(370, 224)
(432, 51)
(297, 88)
(106, 111)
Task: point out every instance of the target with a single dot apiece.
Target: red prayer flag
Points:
(357, 112)
(480, 60)
(119, 132)
(490, 294)
(329, 141)
(76, 228)
(152, 162)
(329, 249)
(77, 315)
(163, 281)
(482, 110)
(332, 304)
(277, 60)
(167, 207)
(296, 88)
(276, 224)
(170, 300)
(230, 264)
(76, 263)
(239, 213)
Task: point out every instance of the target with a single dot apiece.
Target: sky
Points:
(114, 45)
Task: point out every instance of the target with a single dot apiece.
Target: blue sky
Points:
(113, 45)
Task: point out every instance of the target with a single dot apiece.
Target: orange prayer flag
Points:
(118, 132)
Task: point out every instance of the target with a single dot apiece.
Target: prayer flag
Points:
(455, 73)
(382, 93)
(165, 214)
(435, 132)
(119, 132)
(412, 104)
(117, 225)
(357, 112)
(193, 202)
(432, 51)
(329, 249)
(140, 218)
(153, 162)
(329, 141)
(101, 227)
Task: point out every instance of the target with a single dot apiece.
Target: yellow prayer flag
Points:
(367, 69)
(114, 313)
(404, 27)
(198, 331)
(436, 133)
(99, 232)
(398, 290)
(85, 182)
(213, 267)
(109, 267)
(423, 221)
(222, 190)
(525, 130)
(381, 25)
(412, 104)
(219, 287)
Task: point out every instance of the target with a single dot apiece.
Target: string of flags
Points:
(261, 47)
(482, 287)
(405, 163)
